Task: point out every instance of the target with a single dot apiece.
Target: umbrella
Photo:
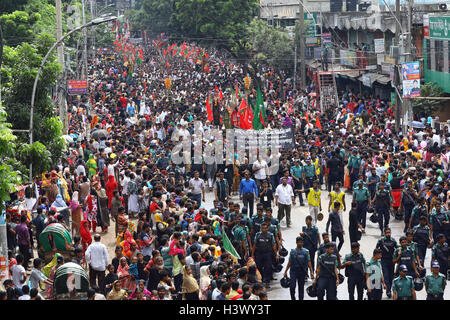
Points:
(312, 94)
(417, 124)
(68, 139)
(97, 134)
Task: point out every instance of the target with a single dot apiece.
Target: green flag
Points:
(228, 246)
(259, 113)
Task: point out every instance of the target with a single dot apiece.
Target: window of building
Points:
(439, 53)
(428, 53)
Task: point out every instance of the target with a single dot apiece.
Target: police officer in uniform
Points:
(241, 237)
(403, 285)
(435, 283)
(256, 220)
(404, 255)
(438, 220)
(421, 235)
(354, 265)
(387, 245)
(273, 230)
(327, 274)
(262, 251)
(440, 253)
(311, 237)
(299, 262)
(323, 247)
(420, 210)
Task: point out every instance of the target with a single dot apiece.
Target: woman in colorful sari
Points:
(103, 206)
(92, 165)
(111, 185)
(51, 277)
(117, 293)
(127, 282)
(76, 214)
(85, 234)
(92, 209)
(190, 286)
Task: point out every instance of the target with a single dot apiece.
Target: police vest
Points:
(442, 254)
(356, 268)
(327, 264)
(421, 236)
(387, 248)
(406, 258)
(439, 223)
(256, 221)
(310, 237)
(263, 243)
(299, 261)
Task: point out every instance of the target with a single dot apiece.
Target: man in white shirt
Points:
(19, 274)
(97, 258)
(284, 198)
(260, 169)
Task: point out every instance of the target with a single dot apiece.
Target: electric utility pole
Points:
(407, 106)
(302, 45)
(62, 79)
(398, 104)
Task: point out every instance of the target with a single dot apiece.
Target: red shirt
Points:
(123, 102)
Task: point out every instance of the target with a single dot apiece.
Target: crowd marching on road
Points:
(174, 244)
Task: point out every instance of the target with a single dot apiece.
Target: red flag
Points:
(261, 118)
(220, 95)
(244, 122)
(216, 88)
(249, 113)
(307, 118)
(318, 125)
(167, 65)
(209, 110)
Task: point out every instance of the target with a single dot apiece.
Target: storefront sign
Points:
(440, 27)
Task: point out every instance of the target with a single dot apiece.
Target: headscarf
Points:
(205, 280)
(74, 204)
(189, 285)
(92, 165)
(59, 202)
(116, 294)
(123, 271)
(85, 233)
(111, 185)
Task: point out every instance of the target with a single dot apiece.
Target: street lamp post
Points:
(57, 43)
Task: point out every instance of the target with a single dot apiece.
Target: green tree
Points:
(426, 107)
(154, 16)
(8, 176)
(224, 21)
(17, 27)
(37, 154)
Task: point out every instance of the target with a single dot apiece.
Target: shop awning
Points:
(375, 77)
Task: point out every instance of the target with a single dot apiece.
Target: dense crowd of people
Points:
(172, 244)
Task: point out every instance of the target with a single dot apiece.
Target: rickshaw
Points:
(55, 238)
(71, 282)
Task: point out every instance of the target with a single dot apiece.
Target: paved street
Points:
(298, 214)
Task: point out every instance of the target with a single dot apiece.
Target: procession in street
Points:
(187, 176)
